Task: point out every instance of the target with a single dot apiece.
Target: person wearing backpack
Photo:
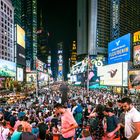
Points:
(96, 123)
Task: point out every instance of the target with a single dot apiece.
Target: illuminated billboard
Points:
(114, 75)
(119, 49)
(39, 65)
(31, 77)
(20, 36)
(20, 74)
(134, 79)
(136, 55)
(7, 68)
(136, 37)
(21, 55)
(42, 76)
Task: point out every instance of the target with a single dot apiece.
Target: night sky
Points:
(59, 18)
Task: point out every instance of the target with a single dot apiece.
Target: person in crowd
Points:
(112, 124)
(35, 129)
(18, 122)
(132, 120)
(26, 125)
(13, 119)
(119, 108)
(96, 124)
(87, 112)
(4, 131)
(7, 114)
(17, 133)
(68, 123)
(85, 135)
(42, 129)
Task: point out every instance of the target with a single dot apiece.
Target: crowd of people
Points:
(71, 113)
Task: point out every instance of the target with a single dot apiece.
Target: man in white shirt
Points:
(132, 120)
(4, 132)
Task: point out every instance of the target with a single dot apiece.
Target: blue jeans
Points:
(62, 138)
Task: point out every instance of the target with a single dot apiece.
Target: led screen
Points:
(31, 77)
(136, 55)
(119, 49)
(42, 76)
(7, 68)
(19, 74)
(134, 79)
(114, 75)
(20, 36)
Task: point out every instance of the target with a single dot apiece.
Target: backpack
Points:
(94, 123)
(27, 136)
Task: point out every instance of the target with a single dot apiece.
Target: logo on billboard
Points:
(117, 43)
(119, 49)
(112, 72)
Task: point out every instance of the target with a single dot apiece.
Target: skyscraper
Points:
(125, 17)
(29, 21)
(6, 30)
(42, 34)
(17, 11)
(93, 25)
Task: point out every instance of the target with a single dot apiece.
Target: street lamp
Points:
(36, 79)
(88, 74)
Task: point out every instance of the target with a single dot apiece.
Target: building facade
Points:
(125, 17)
(29, 22)
(6, 30)
(93, 26)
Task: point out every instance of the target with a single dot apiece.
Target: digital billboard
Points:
(21, 55)
(42, 76)
(136, 37)
(119, 49)
(31, 77)
(20, 36)
(114, 74)
(134, 79)
(7, 68)
(20, 74)
(39, 65)
(136, 55)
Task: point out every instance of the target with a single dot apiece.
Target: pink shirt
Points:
(17, 124)
(67, 120)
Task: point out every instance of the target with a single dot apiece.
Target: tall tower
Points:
(7, 51)
(124, 17)
(60, 61)
(93, 26)
(17, 11)
(29, 20)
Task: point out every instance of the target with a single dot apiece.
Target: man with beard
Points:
(132, 120)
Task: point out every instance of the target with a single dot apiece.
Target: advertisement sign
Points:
(136, 55)
(39, 65)
(114, 75)
(136, 37)
(119, 49)
(7, 68)
(31, 77)
(92, 64)
(42, 76)
(115, 14)
(19, 74)
(134, 79)
(28, 66)
(20, 36)
(21, 55)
